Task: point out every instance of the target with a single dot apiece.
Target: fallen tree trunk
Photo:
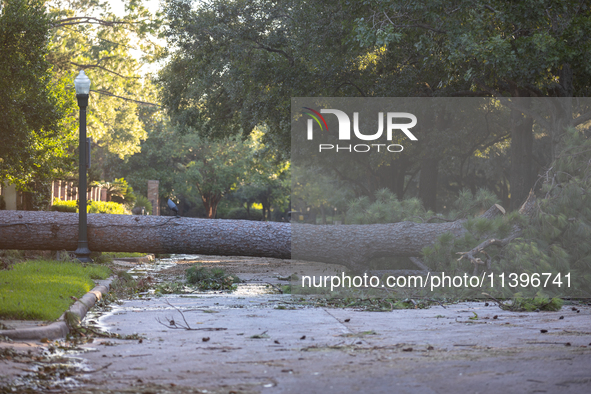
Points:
(28, 230)
(348, 245)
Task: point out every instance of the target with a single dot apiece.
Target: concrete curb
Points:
(59, 329)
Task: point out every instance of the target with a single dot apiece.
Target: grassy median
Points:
(43, 290)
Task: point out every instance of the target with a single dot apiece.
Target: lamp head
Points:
(82, 83)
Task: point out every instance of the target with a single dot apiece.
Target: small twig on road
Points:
(173, 324)
(501, 304)
(437, 301)
(99, 369)
(184, 326)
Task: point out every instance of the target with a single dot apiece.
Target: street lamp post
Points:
(82, 84)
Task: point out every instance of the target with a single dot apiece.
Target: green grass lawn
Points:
(42, 290)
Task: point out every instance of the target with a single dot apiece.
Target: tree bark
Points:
(349, 245)
(393, 176)
(428, 183)
(210, 203)
(522, 177)
(40, 230)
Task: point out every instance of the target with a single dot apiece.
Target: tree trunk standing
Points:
(433, 123)
(562, 113)
(393, 176)
(400, 177)
(350, 245)
(210, 203)
(503, 191)
(266, 208)
(521, 177)
(428, 183)
(27, 201)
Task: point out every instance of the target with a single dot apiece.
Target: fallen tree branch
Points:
(471, 254)
(526, 209)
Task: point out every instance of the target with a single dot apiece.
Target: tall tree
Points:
(236, 64)
(268, 179)
(501, 48)
(88, 35)
(211, 169)
(34, 130)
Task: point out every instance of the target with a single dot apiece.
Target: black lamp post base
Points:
(83, 254)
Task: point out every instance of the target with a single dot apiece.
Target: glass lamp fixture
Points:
(82, 83)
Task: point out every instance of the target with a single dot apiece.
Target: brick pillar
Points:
(153, 197)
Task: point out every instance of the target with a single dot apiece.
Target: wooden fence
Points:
(66, 191)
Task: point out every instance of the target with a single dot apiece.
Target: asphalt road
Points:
(268, 343)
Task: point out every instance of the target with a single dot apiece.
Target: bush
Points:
(385, 209)
(106, 207)
(10, 257)
(119, 191)
(142, 201)
(92, 207)
(241, 213)
(64, 206)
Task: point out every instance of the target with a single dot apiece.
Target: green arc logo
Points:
(315, 114)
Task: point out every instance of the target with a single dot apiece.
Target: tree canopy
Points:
(234, 65)
(107, 46)
(34, 127)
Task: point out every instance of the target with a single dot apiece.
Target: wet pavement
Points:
(254, 340)
(248, 341)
